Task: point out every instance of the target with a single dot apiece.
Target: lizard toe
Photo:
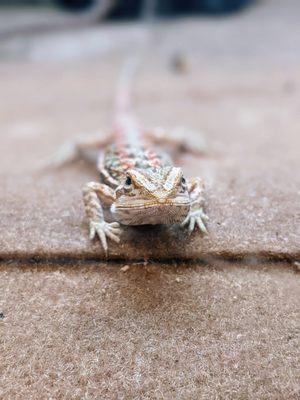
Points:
(201, 225)
(185, 221)
(195, 218)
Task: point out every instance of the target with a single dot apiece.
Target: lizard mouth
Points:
(152, 213)
(141, 203)
(151, 205)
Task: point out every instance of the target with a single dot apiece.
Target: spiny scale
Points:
(119, 160)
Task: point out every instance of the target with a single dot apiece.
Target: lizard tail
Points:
(127, 128)
(124, 89)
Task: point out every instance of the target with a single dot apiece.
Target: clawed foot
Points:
(103, 230)
(196, 218)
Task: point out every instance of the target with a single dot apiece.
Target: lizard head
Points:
(152, 196)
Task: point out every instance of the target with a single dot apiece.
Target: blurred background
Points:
(200, 58)
(18, 16)
(132, 8)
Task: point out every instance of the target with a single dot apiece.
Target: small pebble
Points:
(178, 280)
(297, 265)
(125, 268)
(1, 315)
(180, 63)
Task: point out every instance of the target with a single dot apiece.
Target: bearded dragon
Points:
(140, 186)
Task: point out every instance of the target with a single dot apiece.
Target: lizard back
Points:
(117, 160)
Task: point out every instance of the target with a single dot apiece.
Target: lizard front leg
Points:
(93, 195)
(77, 148)
(196, 215)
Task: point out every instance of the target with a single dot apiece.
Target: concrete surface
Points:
(252, 172)
(173, 331)
(236, 91)
(153, 332)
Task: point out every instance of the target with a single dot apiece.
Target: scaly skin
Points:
(140, 186)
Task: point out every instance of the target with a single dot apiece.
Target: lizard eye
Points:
(183, 184)
(128, 181)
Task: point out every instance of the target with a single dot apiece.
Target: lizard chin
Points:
(151, 212)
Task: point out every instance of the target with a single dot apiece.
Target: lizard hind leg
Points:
(180, 138)
(93, 195)
(196, 216)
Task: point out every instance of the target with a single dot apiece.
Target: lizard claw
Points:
(105, 230)
(196, 218)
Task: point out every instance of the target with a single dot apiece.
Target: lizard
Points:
(140, 185)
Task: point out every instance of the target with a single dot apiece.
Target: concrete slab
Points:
(241, 91)
(153, 332)
(251, 168)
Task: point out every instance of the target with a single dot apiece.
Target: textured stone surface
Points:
(153, 332)
(143, 330)
(235, 91)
